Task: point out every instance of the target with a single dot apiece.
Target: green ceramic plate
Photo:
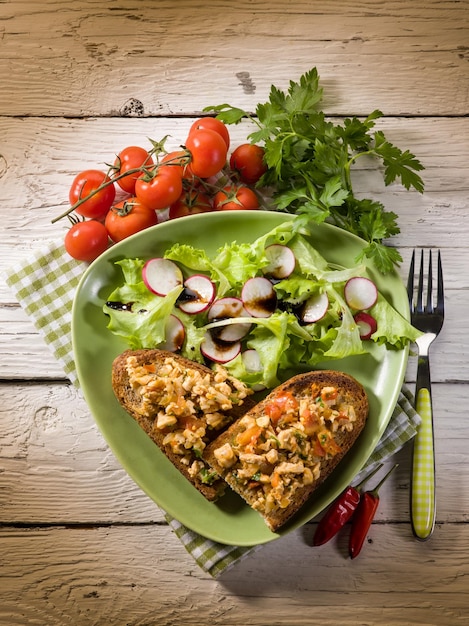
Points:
(228, 521)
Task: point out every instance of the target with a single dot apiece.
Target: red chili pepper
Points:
(363, 517)
(338, 514)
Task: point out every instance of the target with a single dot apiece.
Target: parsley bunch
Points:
(310, 160)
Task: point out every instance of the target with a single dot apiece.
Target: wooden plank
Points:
(39, 191)
(404, 57)
(142, 575)
(440, 213)
(81, 543)
(51, 445)
(78, 144)
(20, 342)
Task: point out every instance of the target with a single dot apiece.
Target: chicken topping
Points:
(281, 450)
(185, 404)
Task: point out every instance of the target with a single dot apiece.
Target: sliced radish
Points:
(161, 275)
(219, 351)
(360, 293)
(315, 308)
(259, 297)
(252, 363)
(225, 308)
(281, 261)
(366, 323)
(198, 294)
(231, 332)
(229, 308)
(174, 334)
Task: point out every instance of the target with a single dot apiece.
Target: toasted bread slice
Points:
(280, 451)
(181, 405)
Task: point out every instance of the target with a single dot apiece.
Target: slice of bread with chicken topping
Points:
(280, 451)
(181, 405)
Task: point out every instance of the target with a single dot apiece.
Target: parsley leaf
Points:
(310, 161)
(398, 164)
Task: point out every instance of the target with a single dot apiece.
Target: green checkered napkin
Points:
(45, 285)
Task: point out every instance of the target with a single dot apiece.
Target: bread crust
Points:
(301, 388)
(129, 394)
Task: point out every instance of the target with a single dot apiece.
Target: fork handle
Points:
(423, 464)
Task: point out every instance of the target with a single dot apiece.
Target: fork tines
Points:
(429, 307)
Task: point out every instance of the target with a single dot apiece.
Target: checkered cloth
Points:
(45, 285)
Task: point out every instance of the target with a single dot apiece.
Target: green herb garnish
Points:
(310, 161)
(208, 477)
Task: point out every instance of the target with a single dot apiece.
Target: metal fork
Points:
(427, 317)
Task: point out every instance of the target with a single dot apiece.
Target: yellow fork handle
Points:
(423, 470)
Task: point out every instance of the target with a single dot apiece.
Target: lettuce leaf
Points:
(282, 343)
(141, 323)
(393, 329)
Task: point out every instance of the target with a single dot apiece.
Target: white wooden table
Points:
(79, 542)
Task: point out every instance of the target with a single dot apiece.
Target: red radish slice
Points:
(252, 360)
(360, 293)
(366, 323)
(174, 333)
(231, 332)
(161, 276)
(281, 261)
(315, 308)
(219, 352)
(198, 294)
(259, 297)
(228, 308)
(252, 363)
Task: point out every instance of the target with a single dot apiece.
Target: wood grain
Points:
(81, 543)
(37, 188)
(20, 342)
(54, 447)
(138, 575)
(137, 56)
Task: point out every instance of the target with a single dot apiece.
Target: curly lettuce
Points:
(283, 343)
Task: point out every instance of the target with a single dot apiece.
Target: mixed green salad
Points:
(282, 340)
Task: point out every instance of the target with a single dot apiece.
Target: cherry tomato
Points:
(248, 161)
(328, 443)
(212, 124)
(208, 150)
(190, 203)
(190, 179)
(128, 217)
(177, 160)
(235, 197)
(86, 240)
(131, 158)
(161, 189)
(281, 406)
(100, 202)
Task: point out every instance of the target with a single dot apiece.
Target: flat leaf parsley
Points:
(310, 159)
